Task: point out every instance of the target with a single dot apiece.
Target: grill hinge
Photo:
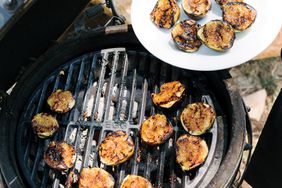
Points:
(116, 29)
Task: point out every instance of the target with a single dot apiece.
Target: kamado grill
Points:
(112, 77)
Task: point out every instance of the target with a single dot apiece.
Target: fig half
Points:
(239, 15)
(191, 151)
(165, 13)
(197, 118)
(116, 148)
(61, 101)
(170, 93)
(217, 35)
(184, 35)
(44, 125)
(60, 155)
(156, 130)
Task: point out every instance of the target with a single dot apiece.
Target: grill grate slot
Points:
(111, 86)
(112, 90)
(77, 87)
(99, 88)
(67, 85)
(132, 97)
(122, 87)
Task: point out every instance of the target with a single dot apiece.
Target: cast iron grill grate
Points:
(112, 89)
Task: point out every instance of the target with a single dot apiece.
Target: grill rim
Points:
(11, 109)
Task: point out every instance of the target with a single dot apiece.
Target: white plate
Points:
(247, 45)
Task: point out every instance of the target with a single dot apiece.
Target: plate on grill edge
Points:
(247, 45)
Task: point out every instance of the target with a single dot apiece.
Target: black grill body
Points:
(98, 68)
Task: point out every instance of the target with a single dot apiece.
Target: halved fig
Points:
(165, 13)
(156, 130)
(95, 178)
(61, 101)
(191, 151)
(169, 94)
(223, 2)
(196, 9)
(44, 125)
(133, 181)
(217, 35)
(239, 15)
(116, 148)
(184, 35)
(197, 118)
(60, 155)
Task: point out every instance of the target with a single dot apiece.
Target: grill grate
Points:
(112, 90)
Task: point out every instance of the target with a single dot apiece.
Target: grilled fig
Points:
(184, 35)
(95, 178)
(165, 13)
(191, 151)
(170, 93)
(61, 101)
(60, 155)
(197, 118)
(196, 9)
(217, 35)
(223, 2)
(133, 181)
(156, 130)
(116, 148)
(44, 125)
(239, 15)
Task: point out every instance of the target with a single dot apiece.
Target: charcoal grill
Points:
(113, 93)
(112, 81)
(112, 76)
